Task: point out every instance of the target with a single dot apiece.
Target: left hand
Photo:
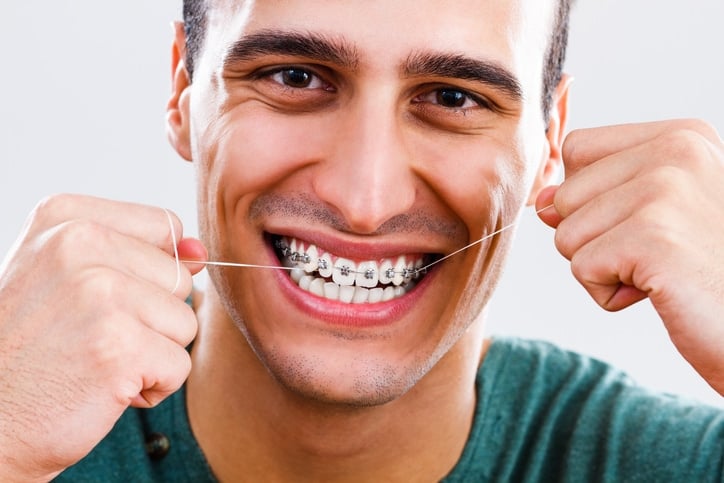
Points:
(640, 215)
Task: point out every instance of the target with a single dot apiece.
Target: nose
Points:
(368, 175)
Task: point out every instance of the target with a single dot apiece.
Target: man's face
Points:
(373, 135)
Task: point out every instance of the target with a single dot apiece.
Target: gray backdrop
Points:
(82, 92)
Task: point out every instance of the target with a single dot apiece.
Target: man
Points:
(347, 136)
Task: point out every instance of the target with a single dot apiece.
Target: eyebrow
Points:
(299, 44)
(324, 49)
(457, 66)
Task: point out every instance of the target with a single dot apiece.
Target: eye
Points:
(298, 78)
(452, 99)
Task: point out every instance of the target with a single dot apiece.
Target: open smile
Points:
(336, 278)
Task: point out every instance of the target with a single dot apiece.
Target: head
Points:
(371, 134)
(194, 21)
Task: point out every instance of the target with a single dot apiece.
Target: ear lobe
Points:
(177, 109)
(555, 135)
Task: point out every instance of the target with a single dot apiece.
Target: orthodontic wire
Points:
(275, 267)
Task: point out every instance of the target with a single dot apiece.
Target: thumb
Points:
(192, 249)
(545, 209)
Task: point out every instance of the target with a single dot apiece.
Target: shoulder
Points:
(545, 413)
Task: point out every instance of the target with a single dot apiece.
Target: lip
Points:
(352, 248)
(350, 315)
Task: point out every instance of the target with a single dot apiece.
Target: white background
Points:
(83, 86)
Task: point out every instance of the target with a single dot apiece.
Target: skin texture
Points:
(366, 163)
(281, 384)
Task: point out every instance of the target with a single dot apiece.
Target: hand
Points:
(88, 326)
(639, 215)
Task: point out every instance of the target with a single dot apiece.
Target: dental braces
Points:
(304, 257)
(345, 270)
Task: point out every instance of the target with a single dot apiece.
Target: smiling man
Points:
(358, 144)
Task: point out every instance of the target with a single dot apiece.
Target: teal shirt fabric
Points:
(543, 415)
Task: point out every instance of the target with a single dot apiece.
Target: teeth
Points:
(367, 275)
(305, 282)
(317, 287)
(331, 290)
(366, 282)
(344, 272)
(375, 295)
(312, 259)
(399, 276)
(326, 270)
(360, 295)
(296, 274)
(386, 272)
(346, 293)
(418, 266)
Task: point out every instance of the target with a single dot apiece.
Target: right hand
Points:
(88, 327)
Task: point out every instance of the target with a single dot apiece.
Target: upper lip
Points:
(356, 249)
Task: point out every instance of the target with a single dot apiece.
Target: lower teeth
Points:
(322, 286)
(347, 293)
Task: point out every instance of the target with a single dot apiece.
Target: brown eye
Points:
(451, 98)
(296, 78)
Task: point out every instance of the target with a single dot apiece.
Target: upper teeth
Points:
(344, 272)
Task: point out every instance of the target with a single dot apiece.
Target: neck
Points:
(251, 428)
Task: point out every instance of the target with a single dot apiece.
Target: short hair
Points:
(195, 22)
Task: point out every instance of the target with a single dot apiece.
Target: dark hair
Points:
(194, 15)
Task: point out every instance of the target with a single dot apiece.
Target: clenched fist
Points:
(88, 326)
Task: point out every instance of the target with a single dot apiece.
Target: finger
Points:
(76, 244)
(192, 249)
(545, 209)
(166, 315)
(604, 287)
(644, 197)
(162, 369)
(585, 146)
(680, 152)
(146, 223)
(606, 268)
(105, 294)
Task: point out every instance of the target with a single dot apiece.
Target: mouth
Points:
(341, 279)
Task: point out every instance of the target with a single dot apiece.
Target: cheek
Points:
(255, 149)
(481, 179)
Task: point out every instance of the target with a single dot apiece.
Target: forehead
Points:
(512, 33)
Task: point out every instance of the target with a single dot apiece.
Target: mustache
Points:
(314, 211)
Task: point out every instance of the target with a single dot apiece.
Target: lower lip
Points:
(352, 315)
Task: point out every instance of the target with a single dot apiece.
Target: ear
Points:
(177, 109)
(555, 135)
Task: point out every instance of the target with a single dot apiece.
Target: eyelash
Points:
(277, 76)
(467, 97)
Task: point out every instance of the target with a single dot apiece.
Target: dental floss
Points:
(175, 251)
(421, 269)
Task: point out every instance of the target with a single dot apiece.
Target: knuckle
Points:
(701, 127)
(78, 238)
(662, 181)
(188, 326)
(686, 148)
(100, 287)
(564, 241)
(53, 208)
(571, 143)
(110, 344)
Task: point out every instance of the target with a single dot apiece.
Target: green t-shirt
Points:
(543, 414)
